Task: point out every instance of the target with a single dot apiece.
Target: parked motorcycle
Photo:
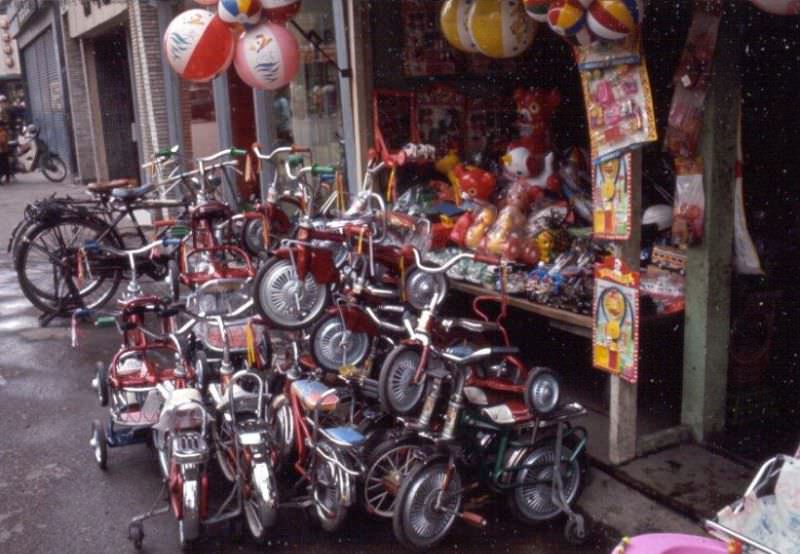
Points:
(30, 153)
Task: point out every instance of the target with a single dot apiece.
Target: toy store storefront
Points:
(590, 142)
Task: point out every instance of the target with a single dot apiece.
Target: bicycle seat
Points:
(502, 408)
(104, 187)
(471, 325)
(130, 194)
(343, 436)
(212, 210)
(309, 393)
(479, 354)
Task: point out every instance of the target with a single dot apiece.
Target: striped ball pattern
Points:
(614, 19)
(566, 17)
(198, 45)
(244, 12)
(453, 19)
(500, 28)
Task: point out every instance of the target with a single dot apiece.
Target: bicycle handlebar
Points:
(294, 149)
(491, 260)
(232, 151)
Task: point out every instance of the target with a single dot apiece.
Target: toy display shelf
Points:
(564, 320)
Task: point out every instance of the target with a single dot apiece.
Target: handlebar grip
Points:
(487, 259)
(296, 149)
(164, 153)
(318, 169)
(295, 160)
(105, 321)
(91, 246)
(238, 151)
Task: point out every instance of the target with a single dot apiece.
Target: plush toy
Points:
(519, 166)
(474, 181)
(535, 109)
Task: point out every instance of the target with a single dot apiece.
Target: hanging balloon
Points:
(537, 9)
(778, 7)
(267, 56)
(566, 17)
(615, 19)
(198, 45)
(453, 19)
(280, 11)
(500, 28)
(244, 12)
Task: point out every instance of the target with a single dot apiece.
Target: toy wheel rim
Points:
(534, 495)
(277, 294)
(404, 395)
(424, 523)
(258, 506)
(385, 476)
(335, 346)
(421, 286)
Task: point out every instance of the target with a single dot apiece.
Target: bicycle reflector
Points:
(542, 391)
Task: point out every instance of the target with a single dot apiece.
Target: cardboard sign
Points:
(615, 325)
(611, 198)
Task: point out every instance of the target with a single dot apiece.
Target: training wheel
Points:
(99, 444)
(575, 530)
(136, 534)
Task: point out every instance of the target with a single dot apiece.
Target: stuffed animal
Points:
(474, 181)
(535, 110)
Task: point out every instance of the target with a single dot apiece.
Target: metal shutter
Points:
(42, 72)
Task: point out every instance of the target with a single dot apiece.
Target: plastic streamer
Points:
(360, 247)
(250, 339)
(390, 187)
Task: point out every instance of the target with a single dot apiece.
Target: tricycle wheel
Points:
(399, 395)
(424, 510)
(136, 534)
(101, 374)
(99, 444)
(388, 465)
(575, 530)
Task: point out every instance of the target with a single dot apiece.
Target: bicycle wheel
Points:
(53, 168)
(284, 300)
(398, 393)
(333, 346)
(41, 259)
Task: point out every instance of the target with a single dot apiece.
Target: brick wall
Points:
(79, 109)
(148, 76)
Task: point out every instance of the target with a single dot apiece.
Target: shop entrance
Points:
(116, 104)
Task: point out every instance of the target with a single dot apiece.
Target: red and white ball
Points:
(778, 7)
(280, 11)
(267, 56)
(615, 19)
(198, 45)
(242, 12)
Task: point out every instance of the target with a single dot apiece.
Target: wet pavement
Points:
(53, 497)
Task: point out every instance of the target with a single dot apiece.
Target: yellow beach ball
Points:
(500, 28)
(453, 20)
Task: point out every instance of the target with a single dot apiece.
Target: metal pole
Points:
(222, 110)
(172, 87)
(262, 101)
(346, 94)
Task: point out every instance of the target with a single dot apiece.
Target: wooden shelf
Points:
(581, 322)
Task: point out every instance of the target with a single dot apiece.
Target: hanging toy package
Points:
(689, 207)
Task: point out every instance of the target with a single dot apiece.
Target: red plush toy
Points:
(535, 110)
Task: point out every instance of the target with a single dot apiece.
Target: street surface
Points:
(53, 497)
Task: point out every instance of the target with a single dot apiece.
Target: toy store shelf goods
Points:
(611, 193)
(691, 85)
(615, 333)
(619, 108)
(689, 208)
(425, 50)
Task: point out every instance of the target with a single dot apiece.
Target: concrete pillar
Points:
(705, 362)
(623, 410)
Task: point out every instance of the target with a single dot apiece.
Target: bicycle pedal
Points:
(471, 518)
